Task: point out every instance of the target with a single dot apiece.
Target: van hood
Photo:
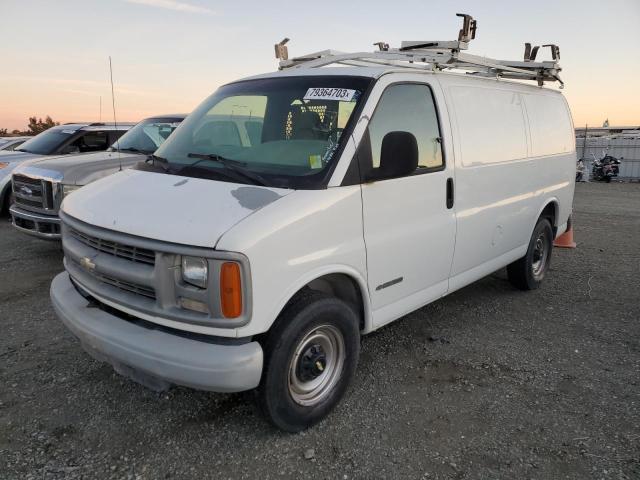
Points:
(87, 167)
(170, 208)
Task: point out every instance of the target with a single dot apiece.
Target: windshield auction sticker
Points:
(341, 94)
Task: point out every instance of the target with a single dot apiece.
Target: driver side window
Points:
(91, 142)
(405, 108)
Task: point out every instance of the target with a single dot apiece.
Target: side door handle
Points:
(449, 192)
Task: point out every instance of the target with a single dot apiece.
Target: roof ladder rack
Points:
(435, 56)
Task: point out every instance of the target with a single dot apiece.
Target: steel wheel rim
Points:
(322, 343)
(540, 256)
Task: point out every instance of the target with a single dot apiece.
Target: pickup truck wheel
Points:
(311, 354)
(6, 199)
(528, 272)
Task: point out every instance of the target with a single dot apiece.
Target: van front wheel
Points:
(528, 272)
(311, 354)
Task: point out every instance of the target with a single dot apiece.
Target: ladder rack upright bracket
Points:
(468, 30)
(282, 52)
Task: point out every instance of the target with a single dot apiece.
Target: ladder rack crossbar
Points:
(431, 59)
(435, 56)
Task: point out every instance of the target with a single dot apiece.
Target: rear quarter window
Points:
(550, 124)
(491, 125)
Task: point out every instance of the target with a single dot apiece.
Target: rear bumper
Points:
(39, 225)
(155, 358)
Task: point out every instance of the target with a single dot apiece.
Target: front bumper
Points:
(41, 226)
(155, 358)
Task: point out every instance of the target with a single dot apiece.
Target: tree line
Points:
(35, 126)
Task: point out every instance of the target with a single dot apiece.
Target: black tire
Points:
(298, 326)
(526, 273)
(6, 199)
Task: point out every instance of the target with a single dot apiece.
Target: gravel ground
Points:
(489, 382)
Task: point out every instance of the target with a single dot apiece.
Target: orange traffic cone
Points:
(566, 239)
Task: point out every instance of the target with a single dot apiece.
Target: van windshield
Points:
(147, 135)
(285, 131)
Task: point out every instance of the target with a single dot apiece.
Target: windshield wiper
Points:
(134, 150)
(161, 162)
(232, 165)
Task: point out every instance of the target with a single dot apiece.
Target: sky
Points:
(169, 55)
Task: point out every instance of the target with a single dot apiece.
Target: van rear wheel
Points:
(528, 272)
(311, 354)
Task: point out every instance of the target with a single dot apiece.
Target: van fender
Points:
(319, 272)
(556, 213)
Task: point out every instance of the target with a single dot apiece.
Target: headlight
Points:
(195, 271)
(67, 189)
(3, 164)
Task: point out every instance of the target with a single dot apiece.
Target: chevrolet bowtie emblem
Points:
(87, 263)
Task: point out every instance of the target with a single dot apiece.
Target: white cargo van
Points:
(361, 194)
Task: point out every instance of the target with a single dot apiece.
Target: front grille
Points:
(29, 202)
(128, 252)
(47, 194)
(29, 191)
(120, 284)
(27, 180)
(126, 286)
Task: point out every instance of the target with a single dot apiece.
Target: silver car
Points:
(40, 185)
(57, 141)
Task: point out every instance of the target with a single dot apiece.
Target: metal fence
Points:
(629, 148)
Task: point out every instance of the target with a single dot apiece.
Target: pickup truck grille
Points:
(31, 192)
(128, 252)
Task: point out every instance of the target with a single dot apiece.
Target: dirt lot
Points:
(487, 383)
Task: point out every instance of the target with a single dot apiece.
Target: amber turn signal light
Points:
(230, 290)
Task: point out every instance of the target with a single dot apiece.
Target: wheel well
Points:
(550, 211)
(341, 286)
(5, 195)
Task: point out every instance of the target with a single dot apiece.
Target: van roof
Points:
(377, 72)
(373, 72)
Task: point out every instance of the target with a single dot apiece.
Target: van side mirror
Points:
(398, 156)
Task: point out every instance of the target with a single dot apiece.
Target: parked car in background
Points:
(9, 144)
(57, 141)
(40, 185)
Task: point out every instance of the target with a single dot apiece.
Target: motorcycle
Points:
(606, 168)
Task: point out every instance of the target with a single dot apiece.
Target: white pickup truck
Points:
(353, 196)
